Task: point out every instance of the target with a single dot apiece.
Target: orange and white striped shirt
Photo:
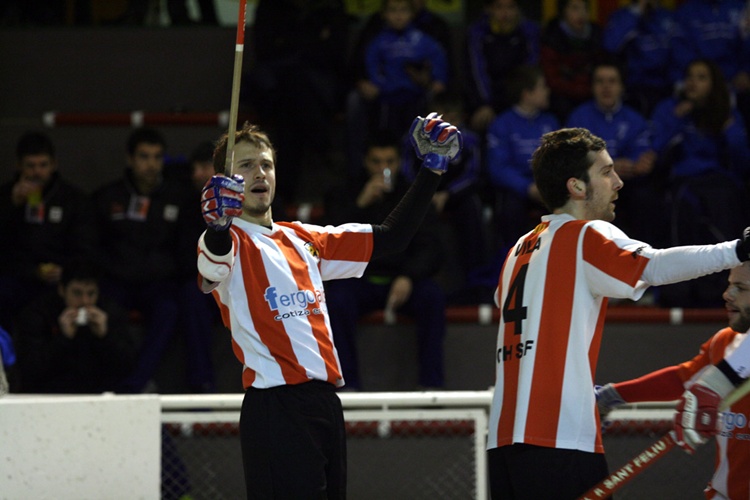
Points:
(272, 299)
(552, 293)
(731, 477)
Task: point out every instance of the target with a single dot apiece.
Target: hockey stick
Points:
(609, 485)
(239, 49)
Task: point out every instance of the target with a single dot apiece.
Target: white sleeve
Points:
(672, 265)
(739, 359)
(212, 267)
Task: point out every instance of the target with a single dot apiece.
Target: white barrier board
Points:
(80, 447)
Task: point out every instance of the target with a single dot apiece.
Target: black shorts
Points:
(523, 471)
(293, 442)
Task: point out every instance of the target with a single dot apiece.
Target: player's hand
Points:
(221, 200)
(435, 142)
(743, 246)
(697, 414)
(607, 398)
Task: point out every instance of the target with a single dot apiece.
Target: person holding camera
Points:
(71, 341)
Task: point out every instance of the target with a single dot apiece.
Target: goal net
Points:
(417, 446)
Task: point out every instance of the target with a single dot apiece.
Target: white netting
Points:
(425, 451)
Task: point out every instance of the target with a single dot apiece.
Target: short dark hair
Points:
(382, 139)
(34, 143)
(562, 4)
(561, 155)
(144, 135)
(447, 102)
(385, 3)
(609, 62)
(520, 79)
(80, 270)
(202, 152)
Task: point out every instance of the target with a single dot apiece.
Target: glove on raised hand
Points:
(435, 142)
(221, 200)
(696, 417)
(743, 246)
(607, 398)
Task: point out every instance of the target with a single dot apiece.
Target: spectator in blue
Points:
(360, 103)
(702, 145)
(144, 230)
(458, 202)
(712, 29)
(498, 42)
(571, 45)
(7, 361)
(640, 35)
(717, 30)
(511, 139)
(627, 134)
(405, 68)
(399, 283)
(46, 222)
(424, 20)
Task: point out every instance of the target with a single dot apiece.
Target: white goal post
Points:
(448, 415)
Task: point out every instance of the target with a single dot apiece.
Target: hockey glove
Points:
(435, 142)
(607, 398)
(696, 418)
(221, 200)
(743, 246)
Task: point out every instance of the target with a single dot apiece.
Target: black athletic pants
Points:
(527, 472)
(294, 442)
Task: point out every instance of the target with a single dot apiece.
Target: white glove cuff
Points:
(739, 359)
(714, 379)
(214, 267)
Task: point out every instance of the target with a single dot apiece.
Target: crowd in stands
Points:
(667, 88)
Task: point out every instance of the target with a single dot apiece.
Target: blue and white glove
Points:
(221, 200)
(435, 142)
(607, 398)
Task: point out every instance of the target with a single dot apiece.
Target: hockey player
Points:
(553, 293)
(267, 279)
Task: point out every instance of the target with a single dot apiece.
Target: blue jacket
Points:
(389, 54)
(625, 130)
(711, 29)
(644, 41)
(511, 140)
(693, 151)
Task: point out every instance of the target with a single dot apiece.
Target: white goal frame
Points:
(381, 407)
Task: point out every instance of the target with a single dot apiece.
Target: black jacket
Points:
(49, 362)
(145, 238)
(65, 233)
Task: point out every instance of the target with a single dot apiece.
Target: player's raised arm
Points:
(436, 143)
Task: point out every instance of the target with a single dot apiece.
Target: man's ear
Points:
(576, 187)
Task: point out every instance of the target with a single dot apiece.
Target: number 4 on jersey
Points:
(513, 309)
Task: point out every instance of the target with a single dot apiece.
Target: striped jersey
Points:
(731, 477)
(552, 293)
(273, 301)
